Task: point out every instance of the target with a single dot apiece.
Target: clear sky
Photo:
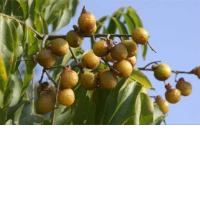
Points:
(175, 33)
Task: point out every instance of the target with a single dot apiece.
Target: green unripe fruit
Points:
(140, 36)
(162, 72)
(66, 97)
(119, 52)
(101, 48)
(74, 39)
(88, 80)
(124, 68)
(46, 58)
(131, 47)
(59, 47)
(107, 80)
(184, 86)
(172, 95)
(69, 78)
(109, 58)
(90, 60)
(162, 104)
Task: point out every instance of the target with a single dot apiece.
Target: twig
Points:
(53, 118)
(151, 47)
(151, 63)
(50, 78)
(173, 71)
(42, 76)
(73, 55)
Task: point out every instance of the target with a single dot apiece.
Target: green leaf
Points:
(129, 22)
(144, 51)
(126, 108)
(159, 117)
(141, 78)
(147, 110)
(3, 75)
(120, 26)
(135, 17)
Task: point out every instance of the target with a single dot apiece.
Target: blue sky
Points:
(175, 34)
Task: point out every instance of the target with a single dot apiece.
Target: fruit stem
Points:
(151, 47)
(50, 78)
(53, 117)
(151, 63)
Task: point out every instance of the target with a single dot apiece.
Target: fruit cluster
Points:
(119, 61)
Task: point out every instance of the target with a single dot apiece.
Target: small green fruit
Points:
(90, 60)
(131, 47)
(162, 72)
(119, 52)
(69, 78)
(87, 23)
(59, 47)
(101, 48)
(107, 80)
(66, 97)
(124, 68)
(172, 95)
(88, 80)
(74, 39)
(46, 58)
(184, 86)
(140, 36)
(162, 104)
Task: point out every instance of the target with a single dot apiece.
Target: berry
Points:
(66, 97)
(46, 58)
(119, 52)
(140, 36)
(109, 58)
(90, 60)
(124, 68)
(59, 47)
(46, 99)
(101, 48)
(131, 47)
(162, 72)
(107, 80)
(74, 39)
(87, 23)
(132, 60)
(162, 104)
(88, 80)
(69, 78)
(196, 71)
(184, 86)
(172, 95)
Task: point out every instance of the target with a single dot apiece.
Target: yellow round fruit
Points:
(119, 52)
(66, 97)
(101, 48)
(87, 23)
(172, 95)
(132, 60)
(74, 39)
(90, 60)
(140, 36)
(59, 47)
(69, 78)
(131, 47)
(124, 68)
(107, 80)
(46, 58)
(88, 80)
(162, 104)
(162, 72)
(184, 86)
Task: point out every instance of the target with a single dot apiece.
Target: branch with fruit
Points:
(119, 61)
